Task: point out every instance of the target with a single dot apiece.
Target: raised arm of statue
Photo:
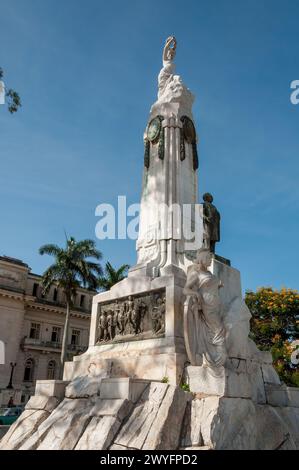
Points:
(167, 77)
(169, 49)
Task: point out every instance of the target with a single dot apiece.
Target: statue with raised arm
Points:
(203, 325)
(171, 88)
(168, 69)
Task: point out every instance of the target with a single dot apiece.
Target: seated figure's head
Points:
(204, 257)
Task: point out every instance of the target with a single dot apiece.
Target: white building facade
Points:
(31, 330)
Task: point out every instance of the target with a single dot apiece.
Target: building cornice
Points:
(14, 261)
(31, 302)
(11, 293)
(55, 309)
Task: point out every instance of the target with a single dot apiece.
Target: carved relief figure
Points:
(110, 324)
(136, 317)
(142, 310)
(122, 319)
(102, 327)
(211, 219)
(203, 325)
(158, 316)
(119, 318)
(130, 314)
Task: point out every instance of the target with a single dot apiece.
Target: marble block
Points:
(235, 313)
(280, 395)
(99, 433)
(22, 429)
(85, 386)
(116, 388)
(51, 388)
(119, 408)
(224, 383)
(45, 403)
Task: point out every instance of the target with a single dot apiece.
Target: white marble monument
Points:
(179, 318)
(143, 315)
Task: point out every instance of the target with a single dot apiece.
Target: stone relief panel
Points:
(130, 318)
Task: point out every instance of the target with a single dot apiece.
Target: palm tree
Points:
(70, 270)
(112, 276)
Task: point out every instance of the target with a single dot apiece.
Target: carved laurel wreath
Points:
(188, 134)
(154, 137)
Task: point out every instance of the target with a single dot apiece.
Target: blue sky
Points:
(87, 75)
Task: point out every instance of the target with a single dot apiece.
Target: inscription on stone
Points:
(132, 318)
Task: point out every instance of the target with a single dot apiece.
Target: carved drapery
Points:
(204, 329)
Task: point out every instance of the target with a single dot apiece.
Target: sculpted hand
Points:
(169, 48)
(170, 40)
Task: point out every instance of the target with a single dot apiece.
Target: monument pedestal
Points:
(156, 352)
(150, 354)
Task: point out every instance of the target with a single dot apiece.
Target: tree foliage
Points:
(12, 97)
(275, 327)
(112, 276)
(71, 269)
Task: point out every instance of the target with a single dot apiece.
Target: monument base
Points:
(152, 359)
(129, 414)
(125, 391)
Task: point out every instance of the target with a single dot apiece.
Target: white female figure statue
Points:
(203, 325)
(168, 69)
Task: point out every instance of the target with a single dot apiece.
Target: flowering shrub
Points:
(275, 327)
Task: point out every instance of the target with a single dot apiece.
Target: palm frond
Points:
(87, 248)
(72, 267)
(112, 276)
(123, 270)
(51, 276)
(50, 249)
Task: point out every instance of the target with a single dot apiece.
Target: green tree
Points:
(13, 98)
(112, 276)
(275, 326)
(71, 269)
